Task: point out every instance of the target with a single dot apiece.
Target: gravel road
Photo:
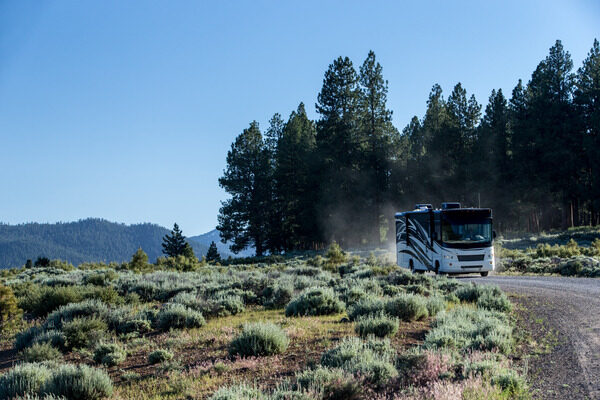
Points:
(565, 312)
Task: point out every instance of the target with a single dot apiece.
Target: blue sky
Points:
(125, 110)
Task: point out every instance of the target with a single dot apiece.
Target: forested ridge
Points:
(88, 240)
(531, 155)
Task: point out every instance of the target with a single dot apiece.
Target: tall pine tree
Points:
(244, 218)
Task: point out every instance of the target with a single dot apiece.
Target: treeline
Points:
(532, 157)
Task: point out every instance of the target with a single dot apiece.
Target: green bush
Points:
(134, 325)
(178, 316)
(316, 379)
(407, 307)
(54, 337)
(371, 359)
(79, 382)
(87, 308)
(41, 300)
(39, 352)
(84, 332)
(10, 313)
(238, 392)
(467, 329)
(335, 256)
(23, 379)
(435, 304)
(317, 301)
(259, 339)
(24, 338)
(160, 355)
(379, 325)
(109, 354)
(277, 296)
(491, 301)
(224, 306)
(511, 383)
(366, 306)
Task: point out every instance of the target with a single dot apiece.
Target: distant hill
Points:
(203, 241)
(89, 240)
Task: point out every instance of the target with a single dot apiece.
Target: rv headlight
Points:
(448, 256)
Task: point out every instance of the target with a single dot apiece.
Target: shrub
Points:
(23, 379)
(316, 379)
(179, 316)
(259, 339)
(24, 338)
(54, 337)
(318, 301)
(509, 381)
(39, 352)
(41, 300)
(379, 325)
(79, 382)
(407, 307)
(435, 304)
(87, 308)
(366, 306)
(465, 328)
(277, 296)
(160, 355)
(10, 313)
(490, 301)
(371, 359)
(84, 332)
(238, 392)
(335, 256)
(109, 354)
(420, 367)
(134, 325)
(224, 306)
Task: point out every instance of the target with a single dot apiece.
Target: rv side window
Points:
(423, 220)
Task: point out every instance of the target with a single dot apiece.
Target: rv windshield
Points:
(473, 232)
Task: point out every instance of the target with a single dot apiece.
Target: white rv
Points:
(450, 240)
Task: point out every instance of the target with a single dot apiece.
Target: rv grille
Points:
(471, 266)
(471, 257)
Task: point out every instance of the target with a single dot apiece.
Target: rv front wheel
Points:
(437, 267)
(484, 274)
(411, 265)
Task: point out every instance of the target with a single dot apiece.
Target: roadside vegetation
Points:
(325, 327)
(575, 252)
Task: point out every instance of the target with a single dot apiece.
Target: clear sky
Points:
(125, 110)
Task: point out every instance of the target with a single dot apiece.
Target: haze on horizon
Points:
(126, 111)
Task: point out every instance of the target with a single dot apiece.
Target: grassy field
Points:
(328, 327)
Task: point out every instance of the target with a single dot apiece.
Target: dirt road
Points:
(562, 315)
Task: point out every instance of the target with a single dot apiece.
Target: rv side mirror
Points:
(494, 234)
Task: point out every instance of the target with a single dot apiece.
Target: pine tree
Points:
(296, 187)
(378, 135)
(244, 218)
(139, 260)
(338, 144)
(212, 255)
(174, 244)
(587, 101)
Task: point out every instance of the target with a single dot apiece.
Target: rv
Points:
(450, 240)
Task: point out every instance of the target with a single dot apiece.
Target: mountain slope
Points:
(89, 240)
(213, 236)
